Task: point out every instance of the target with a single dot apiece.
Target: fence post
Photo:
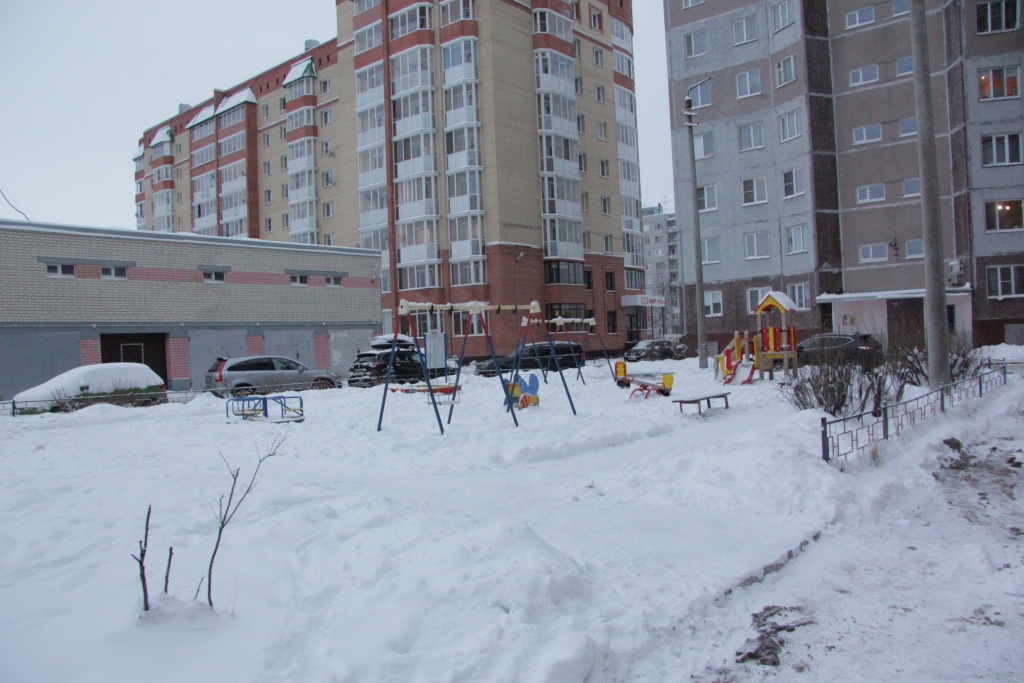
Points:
(942, 397)
(824, 439)
(13, 409)
(981, 385)
(885, 420)
(1004, 372)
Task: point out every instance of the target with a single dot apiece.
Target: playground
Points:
(589, 546)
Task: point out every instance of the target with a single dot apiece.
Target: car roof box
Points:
(384, 341)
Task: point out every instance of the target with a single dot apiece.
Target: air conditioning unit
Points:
(956, 267)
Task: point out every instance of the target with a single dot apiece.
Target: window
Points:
(284, 191)
(213, 276)
(800, 294)
(789, 126)
(581, 123)
(696, 43)
(331, 280)
(755, 245)
(713, 304)
(700, 95)
(866, 134)
(608, 245)
(268, 196)
(751, 136)
(325, 117)
(908, 127)
(864, 75)
(609, 281)
(284, 133)
(709, 250)
(267, 170)
(915, 248)
(998, 84)
(748, 83)
(796, 239)
(596, 21)
(782, 15)
(1000, 150)
(325, 86)
(610, 317)
(754, 296)
(912, 187)
(268, 224)
(703, 146)
(284, 218)
(456, 10)
(283, 103)
(755, 191)
(604, 168)
(879, 251)
(606, 205)
(413, 19)
(860, 17)
(266, 139)
(579, 85)
(113, 273)
(793, 183)
(1005, 281)
(599, 93)
(583, 163)
(707, 198)
(584, 201)
(599, 57)
(785, 71)
(997, 16)
(328, 209)
(904, 66)
(1003, 215)
(692, 3)
(328, 178)
(871, 193)
(299, 280)
(900, 7)
(577, 47)
(326, 148)
(744, 30)
(60, 270)
(602, 130)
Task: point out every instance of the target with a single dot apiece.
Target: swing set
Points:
(476, 310)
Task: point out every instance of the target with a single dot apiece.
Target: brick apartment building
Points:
(807, 160)
(76, 296)
(486, 148)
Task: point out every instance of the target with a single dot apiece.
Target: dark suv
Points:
(536, 357)
(822, 349)
(656, 349)
(371, 367)
(246, 375)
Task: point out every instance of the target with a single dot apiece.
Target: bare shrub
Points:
(838, 386)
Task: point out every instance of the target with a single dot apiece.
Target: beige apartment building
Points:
(807, 160)
(486, 148)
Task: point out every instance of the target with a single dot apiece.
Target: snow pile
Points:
(587, 548)
(94, 379)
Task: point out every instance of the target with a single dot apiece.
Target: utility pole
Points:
(702, 338)
(936, 328)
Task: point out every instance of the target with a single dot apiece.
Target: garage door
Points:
(205, 346)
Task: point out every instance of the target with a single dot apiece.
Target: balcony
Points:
(624, 115)
(556, 124)
(417, 209)
(369, 219)
(233, 213)
(370, 97)
(414, 124)
(204, 195)
(374, 136)
(302, 225)
(460, 160)
(629, 223)
(633, 260)
(560, 166)
(464, 204)
(417, 253)
(561, 207)
(461, 116)
(462, 72)
(232, 186)
(301, 164)
(629, 153)
(404, 84)
(411, 167)
(466, 249)
(563, 250)
(370, 178)
(552, 83)
(140, 222)
(302, 193)
(206, 223)
(628, 187)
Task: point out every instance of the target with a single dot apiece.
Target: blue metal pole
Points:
(387, 376)
(458, 373)
(559, 366)
(494, 357)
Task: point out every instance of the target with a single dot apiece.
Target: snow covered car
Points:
(126, 384)
(656, 349)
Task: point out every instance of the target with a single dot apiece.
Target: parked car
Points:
(127, 384)
(536, 356)
(656, 349)
(843, 348)
(370, 367)
(246, 375)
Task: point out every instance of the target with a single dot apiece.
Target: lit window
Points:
(1003, 215)
(998, 84)
(879, 251)
(871, 193)
(860, 17)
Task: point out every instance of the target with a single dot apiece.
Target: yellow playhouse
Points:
(770, 347)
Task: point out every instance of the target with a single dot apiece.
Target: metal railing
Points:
(846, 435)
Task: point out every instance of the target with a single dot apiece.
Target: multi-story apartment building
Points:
(661, 261)
(486, 148)
(807, 160)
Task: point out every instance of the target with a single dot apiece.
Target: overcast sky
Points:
(81, 81)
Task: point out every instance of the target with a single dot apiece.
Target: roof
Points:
(239, 98)
(776, 300)
(162, 135)
(139, 153)
(965, 290)
(303, 69)
(205, 115)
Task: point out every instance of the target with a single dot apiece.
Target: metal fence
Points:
(846, 435)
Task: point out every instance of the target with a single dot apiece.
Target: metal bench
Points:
(697, 400)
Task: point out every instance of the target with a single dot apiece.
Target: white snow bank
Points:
(1010, 352)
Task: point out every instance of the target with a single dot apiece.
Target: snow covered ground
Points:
(620, 544)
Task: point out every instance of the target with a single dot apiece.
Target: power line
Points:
(12, 205)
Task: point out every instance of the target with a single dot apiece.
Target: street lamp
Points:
(702, 339)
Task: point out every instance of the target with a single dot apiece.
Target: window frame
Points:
(871, 255)
(752, 243)
(863, 132)
(702, 197)
(1016, 281)
(1013, 154)
(745, 76)
(1006, 71)
(778, 18)
(745, 22)
(868, 12)
(791, 241)
(751, 303)
(990, 30)
(756, 125)
(780, 71)
(710, 301)
(868, 197)
(799, 186)
(763, 186)
(857, 76)
(996, 207)
(690, 47)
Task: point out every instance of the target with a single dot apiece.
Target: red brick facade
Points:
(177, 359)
(254, 345)
(89, 349)
(322, 351)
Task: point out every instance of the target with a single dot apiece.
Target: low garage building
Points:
(74, 296)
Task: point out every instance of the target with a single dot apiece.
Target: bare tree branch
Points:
(167, 574)
(141, 559)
